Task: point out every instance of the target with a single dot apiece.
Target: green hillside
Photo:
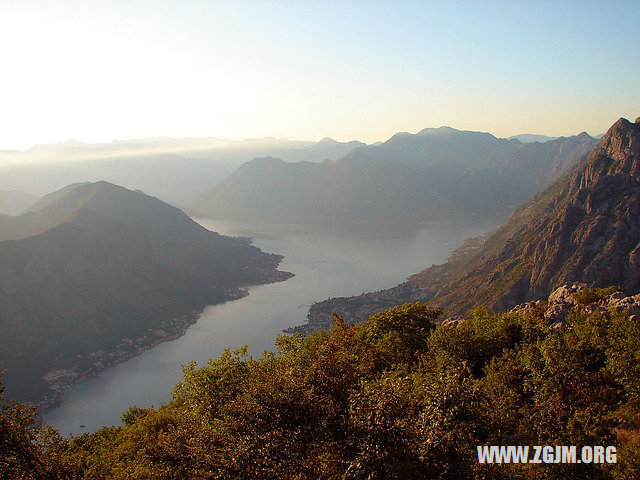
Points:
(398, 396)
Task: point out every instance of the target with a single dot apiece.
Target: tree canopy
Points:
(398, 396)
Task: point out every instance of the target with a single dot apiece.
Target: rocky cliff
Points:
(584, 227)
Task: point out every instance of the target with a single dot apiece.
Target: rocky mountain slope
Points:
(102, 264)
(439, 173)
(585, 227)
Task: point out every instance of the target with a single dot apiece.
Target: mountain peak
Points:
(622, 141)
(584, 227)
(327, 141)
(437, 131)
(104, 186)
(621, 121)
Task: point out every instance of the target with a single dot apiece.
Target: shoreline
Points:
(359, 308)
(90, 366)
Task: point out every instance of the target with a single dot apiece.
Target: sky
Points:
(352, 69)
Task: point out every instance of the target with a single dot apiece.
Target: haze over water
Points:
(325, 264)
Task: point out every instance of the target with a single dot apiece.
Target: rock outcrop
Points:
(579, 297)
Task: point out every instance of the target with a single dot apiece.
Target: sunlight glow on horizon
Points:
(96, 71)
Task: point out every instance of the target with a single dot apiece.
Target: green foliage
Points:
(129, 417)
(590, 295)
(400, 333)
(28, 451)
(399, 396)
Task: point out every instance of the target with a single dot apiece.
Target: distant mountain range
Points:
(532, 137)
(100, 270)
(438, 173)
(175, 170)
(584, 227)
(14, 202)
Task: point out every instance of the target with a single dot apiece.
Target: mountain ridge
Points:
(592, 235)
(409, 179)
(584, 227)
(111, 265)
(173, 169)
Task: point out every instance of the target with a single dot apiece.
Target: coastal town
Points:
(359, 308)
(82, 368)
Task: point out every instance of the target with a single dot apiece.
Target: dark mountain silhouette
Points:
(100, 264)
(439, 173)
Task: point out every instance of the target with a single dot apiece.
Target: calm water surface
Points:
(326, 264)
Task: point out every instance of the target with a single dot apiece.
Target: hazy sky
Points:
(350, 69)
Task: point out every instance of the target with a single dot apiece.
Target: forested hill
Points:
(100, 265)
(410, 179)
